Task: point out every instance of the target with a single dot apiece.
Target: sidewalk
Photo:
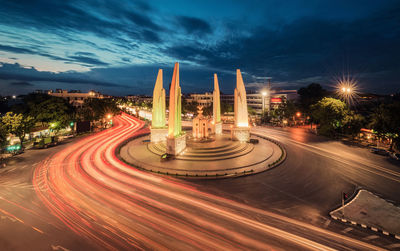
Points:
(370, 211)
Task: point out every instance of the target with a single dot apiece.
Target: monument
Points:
(204, 155)
(158, 129)
(217, 124)
(176, 139)
(241, 129)
(200, 125)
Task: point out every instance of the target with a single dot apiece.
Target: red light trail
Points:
(119, 207)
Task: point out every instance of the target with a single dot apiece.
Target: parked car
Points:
(395, 156)
(379, 151)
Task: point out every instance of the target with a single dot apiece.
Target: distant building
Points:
(75, 98)
(139, 99)
(204, 99)
(272, 99)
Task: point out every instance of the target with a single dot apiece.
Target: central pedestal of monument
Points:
(158, 134)
(240, 133)
(219, 158)
(176, 145)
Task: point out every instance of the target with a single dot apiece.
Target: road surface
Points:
(92, 200)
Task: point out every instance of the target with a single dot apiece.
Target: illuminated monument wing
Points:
(158, 125)
(217, 125)
(176, 140)
(241, 130)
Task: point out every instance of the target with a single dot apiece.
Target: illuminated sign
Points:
(276, 100)
(13, 148)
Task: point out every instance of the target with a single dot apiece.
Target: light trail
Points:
(343, 157)
(119, 207)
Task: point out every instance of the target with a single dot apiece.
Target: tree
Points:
(330, 114)
(251, 110)
(18, 124)
(285, 110)
(3, 136)
(189, 107)
(97, 109)
(225, 107)
(385, 121)
(47, 110)
(310, 95)
(352, 123)
(56, 112)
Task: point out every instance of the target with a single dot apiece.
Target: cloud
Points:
(22, 84)
(16, 72)
(141, 20)
(303, 44)
(88, 60)
(306, 48)
(193, 25)
(15, 49)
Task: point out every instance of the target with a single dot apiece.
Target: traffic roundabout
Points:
(217, 158)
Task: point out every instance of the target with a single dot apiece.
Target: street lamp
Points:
(264, 94)
(347, 89)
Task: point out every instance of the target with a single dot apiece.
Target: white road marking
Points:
(58, 247)
(326, 224)
(395, 245)
(371, 237)
(347, 230)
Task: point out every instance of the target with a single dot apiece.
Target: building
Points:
(140, 99)
(272, 99)
(75, 98)
(204, 99)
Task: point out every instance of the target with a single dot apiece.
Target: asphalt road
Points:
(83, 198)
(308, 185)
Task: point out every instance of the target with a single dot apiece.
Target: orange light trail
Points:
(118, 207)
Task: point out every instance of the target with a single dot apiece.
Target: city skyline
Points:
(118, 48)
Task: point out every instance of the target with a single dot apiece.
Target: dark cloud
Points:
(16, 72)
(15, 49)
(193, 25)
(88, 60)
(308, 47)
(303, 42)
(151, 36)
(142, 20)
(68, 18)
(84, 53)
(22, 84)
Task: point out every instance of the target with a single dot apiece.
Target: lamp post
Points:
(264, 94)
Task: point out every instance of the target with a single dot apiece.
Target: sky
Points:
(116, 46)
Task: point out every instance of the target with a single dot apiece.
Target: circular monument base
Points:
(217, 158)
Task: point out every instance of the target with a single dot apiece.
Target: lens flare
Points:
(347, 89)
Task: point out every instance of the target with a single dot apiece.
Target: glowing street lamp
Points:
(347, 89)
(264, 94)
(298, 114)
(109, 116)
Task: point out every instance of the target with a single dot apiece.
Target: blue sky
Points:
(116, 47)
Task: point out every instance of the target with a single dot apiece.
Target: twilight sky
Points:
(117, 46)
